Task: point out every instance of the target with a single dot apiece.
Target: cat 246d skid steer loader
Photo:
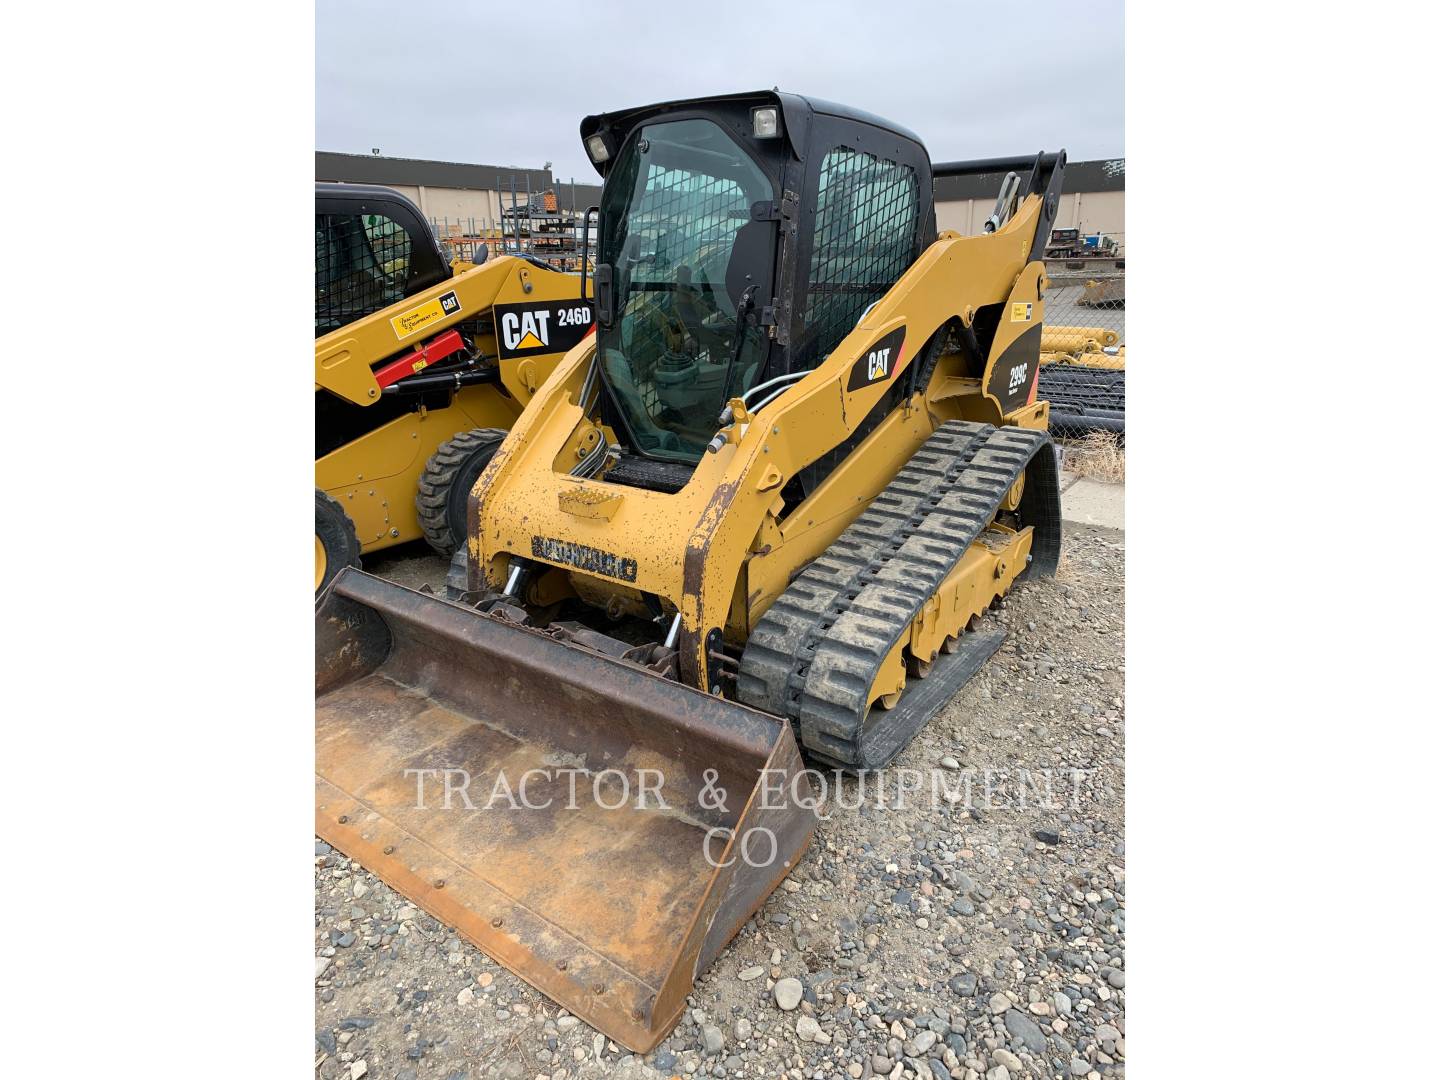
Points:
(764, 509)
(421, 365)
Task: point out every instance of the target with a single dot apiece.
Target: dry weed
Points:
(1097, 455)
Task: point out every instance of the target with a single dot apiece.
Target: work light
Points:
(596, 148)
(766, 122)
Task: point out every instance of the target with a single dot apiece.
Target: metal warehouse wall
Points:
(1089, 211)
(451, 190)
(460, 192)
(454, 204)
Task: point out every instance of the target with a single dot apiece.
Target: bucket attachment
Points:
(1107, 293)
(598, 818)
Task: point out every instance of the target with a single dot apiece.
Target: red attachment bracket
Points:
(441, 346)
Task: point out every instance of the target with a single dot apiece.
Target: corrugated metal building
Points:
(1093, 200)
(451, 190)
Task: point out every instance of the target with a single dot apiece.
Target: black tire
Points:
(336, 545)
(445, 486)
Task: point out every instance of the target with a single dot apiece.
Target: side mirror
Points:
(482, 252)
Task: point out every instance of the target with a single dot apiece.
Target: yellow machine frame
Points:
(375, 476)
(718, 551)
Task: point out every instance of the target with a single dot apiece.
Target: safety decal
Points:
(409, 323)
(1020, 312)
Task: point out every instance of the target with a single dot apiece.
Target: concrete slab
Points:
(1089, 502)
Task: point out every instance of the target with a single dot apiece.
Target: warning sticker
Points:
(418, 318)
(1022, 312)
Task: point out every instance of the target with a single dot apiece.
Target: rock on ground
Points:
(788, 993)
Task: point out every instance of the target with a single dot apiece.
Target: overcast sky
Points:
(468, 80)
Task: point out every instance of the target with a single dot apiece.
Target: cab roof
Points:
(797, 110)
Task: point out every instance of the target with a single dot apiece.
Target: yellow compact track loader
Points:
(764, 510)
(421, 367)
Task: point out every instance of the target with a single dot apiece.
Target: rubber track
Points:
(814, 654)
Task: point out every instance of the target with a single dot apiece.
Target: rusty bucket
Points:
(1105, 293)
(600, 831)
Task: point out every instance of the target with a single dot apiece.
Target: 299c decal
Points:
(1013, 373)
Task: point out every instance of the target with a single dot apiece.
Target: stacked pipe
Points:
(1083, 399)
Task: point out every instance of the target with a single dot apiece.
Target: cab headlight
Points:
(597, 148)
(765, 122)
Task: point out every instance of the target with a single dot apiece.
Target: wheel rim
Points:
(320, 563)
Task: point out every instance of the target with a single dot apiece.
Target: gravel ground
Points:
(947, 939)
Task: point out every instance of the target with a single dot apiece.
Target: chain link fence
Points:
(1082, 350)
(550, 225)
(557, 237)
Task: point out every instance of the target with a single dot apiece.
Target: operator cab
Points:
(373, 248)
(741, 238)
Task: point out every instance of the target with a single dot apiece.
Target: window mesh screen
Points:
(683, 219)
(865, 218)
(361, 263)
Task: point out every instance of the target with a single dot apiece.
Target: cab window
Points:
(362, 262)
